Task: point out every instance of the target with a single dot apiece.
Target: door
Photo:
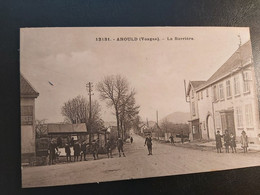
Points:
(227, 122)
(210, 127)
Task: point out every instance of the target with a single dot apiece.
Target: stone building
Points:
(227, 100)
(28, 95)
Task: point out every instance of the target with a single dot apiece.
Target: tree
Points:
(76, 110)
(41, 128)
(116, 91)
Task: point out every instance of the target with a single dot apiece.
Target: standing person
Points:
(227, 141)
(52, 152)
(233, 144)
(244, 141)
(109, 148)
(148, 142)
(83, 150)
(120, 146)
(67, 151)
(76, 149)
(131, 140)
(95, 147)
(182, 137)
(218, 142)
(72, 142)
(59, 142)
(172, 140)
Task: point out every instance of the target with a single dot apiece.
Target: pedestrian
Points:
(72, 142)
(244, 141)
(59, 142)
(83, 150)
(76, 149)
(109, 148)
(120, 146)
(68, 152)
(95, 148)
(226, 140)
(172, 140)
(218, 142)
(131, 140)
(182, 137)
(52, 152)
(233, 144)
(148, 142)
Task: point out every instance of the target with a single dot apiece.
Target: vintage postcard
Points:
(116, 103)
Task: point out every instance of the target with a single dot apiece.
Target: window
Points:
(249, 115)
(228, 88)
(198, 94)
(193, 109)
(247, 78)
(239, 117)
(221, 91)
(201, 95)
(207, 92)
(215, 93)
(236, 85)
(192, 94)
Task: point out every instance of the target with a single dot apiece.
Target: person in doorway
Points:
(109, 148)
(233, 144)
(148, 142)
(83, 150)
(244, 141)
(72, 142)
(226, 141)
(218, 142)
(95, 148)
(68, 152)
(59, 142)
(76, 149)
(131, 140)
(120, 145)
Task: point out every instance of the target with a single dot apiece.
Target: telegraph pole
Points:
(89, 86)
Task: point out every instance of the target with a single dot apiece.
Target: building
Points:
(227, 100)
(28, 95)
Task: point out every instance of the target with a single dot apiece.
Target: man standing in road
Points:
(120, 146)
(68, 152)
(148, 142)
(109, 148)
(95, 148)
(218, 142)
(172, 140)
(83, 150)
(131, 139)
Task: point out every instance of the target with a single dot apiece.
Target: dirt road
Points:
(166, 160)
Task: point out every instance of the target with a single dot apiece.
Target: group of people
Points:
(230, 141)
(80, 149)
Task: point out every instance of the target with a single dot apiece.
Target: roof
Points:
(66, 128)
(26, 89)
(240, 57)
(195, 85)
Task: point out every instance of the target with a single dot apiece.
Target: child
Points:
(233, 143)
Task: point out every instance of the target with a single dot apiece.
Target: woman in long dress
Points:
(244, 141)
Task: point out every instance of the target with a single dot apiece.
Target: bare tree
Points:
(115, 90)
(128, 111)
(76, 110)
(41, 128)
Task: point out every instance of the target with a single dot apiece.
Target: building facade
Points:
(28, 95)
(227, 100)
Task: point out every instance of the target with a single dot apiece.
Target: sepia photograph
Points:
(103, 104)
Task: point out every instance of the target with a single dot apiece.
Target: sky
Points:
(69, 58)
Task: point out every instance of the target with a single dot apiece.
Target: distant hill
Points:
(177, 117)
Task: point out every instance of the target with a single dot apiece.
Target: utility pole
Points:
(89, 86)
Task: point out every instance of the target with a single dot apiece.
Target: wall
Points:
(28, 130)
